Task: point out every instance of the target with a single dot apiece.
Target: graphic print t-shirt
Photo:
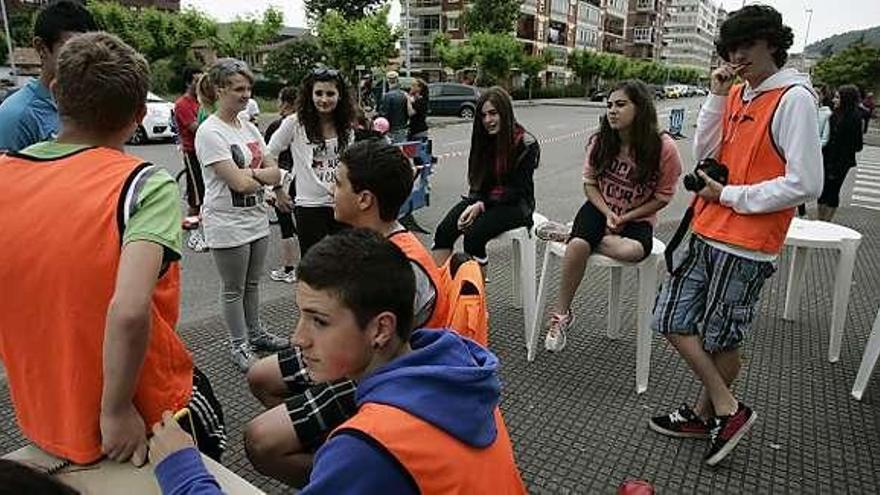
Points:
(229, 218)
(314, 164)
(620, 189)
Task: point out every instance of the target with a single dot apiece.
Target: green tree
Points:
(156, 34)
(456, 56)
(21, 26)
(246, 35)
(292, 61)
(858, 64)
(348, 9)
(492, 16)
(586, 65)
(368, 40)
(531, 66)
(495, 55)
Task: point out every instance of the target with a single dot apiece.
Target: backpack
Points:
(468, 311)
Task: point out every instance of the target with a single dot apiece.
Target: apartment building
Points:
(626, 27)
(589, 25)
(690, 33)
(644, 29)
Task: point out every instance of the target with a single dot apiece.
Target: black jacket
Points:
(518, 182)
(844, 142)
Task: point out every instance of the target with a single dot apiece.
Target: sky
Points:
(829, 16)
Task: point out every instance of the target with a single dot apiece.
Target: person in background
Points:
(630, 174)
(839, 155)
(394, 108)
(823, 122)
(251, 112)
(284, 191)
(869, 105)
(186, 113)
(501, 196)
(321, 128)
(417, 108)
(236, 169)
(30, 115)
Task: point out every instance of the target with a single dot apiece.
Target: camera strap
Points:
(680, 232)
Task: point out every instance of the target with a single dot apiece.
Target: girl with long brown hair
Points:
(630, 174)
(501, 193)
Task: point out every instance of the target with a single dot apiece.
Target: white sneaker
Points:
(556, 338)
(280, 275)
(196, 241)
(243, 356)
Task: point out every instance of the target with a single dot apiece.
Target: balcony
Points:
(646, 5)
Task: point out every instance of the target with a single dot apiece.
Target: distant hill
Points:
(838, 42)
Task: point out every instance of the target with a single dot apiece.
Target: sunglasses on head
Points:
(324, 72)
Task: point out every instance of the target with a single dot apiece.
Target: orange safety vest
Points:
(438, 462)
(415, 251)
(62, 238)
(468, 312)
(752, 156)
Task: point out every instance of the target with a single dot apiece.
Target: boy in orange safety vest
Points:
(90, 284)
(372, 182)
(765, 132)
(427, 416)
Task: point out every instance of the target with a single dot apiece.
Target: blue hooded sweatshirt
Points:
(448, 381)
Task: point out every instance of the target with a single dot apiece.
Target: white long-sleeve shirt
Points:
(794, 132)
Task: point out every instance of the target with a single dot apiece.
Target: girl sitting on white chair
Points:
(630, 173)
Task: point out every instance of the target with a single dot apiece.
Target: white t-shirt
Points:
(230, 219)
(251, 111)
(314, 164)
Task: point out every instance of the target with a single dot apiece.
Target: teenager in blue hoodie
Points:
(428, 419)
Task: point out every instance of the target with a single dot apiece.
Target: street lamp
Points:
(809, 13)
(407, 59)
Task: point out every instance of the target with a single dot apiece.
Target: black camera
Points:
(716, 171)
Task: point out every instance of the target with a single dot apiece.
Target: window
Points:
(457, 90)
(642, 34)
(452, 23)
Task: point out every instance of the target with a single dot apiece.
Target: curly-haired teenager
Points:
(321, 128)
(765, 131)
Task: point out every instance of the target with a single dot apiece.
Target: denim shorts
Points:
(711, 293)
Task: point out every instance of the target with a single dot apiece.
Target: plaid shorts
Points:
(711, 293)
(315, 409)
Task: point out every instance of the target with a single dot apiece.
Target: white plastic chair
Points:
(523, 266)
(804, 235)
(647, 293)
(869, 360)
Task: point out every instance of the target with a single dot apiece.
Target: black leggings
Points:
(831, 190)
(496, 220)
(285, 219)
(313, 224)
(590, 224)
(195, 184)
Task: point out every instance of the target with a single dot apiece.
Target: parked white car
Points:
(158, 123)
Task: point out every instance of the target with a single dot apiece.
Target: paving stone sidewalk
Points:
(578, 426)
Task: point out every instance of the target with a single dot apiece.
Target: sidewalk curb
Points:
(574, 102)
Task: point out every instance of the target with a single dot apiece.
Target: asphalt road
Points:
(562, 131)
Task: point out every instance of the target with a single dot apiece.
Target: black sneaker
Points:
(726, 431)
(681, 423)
